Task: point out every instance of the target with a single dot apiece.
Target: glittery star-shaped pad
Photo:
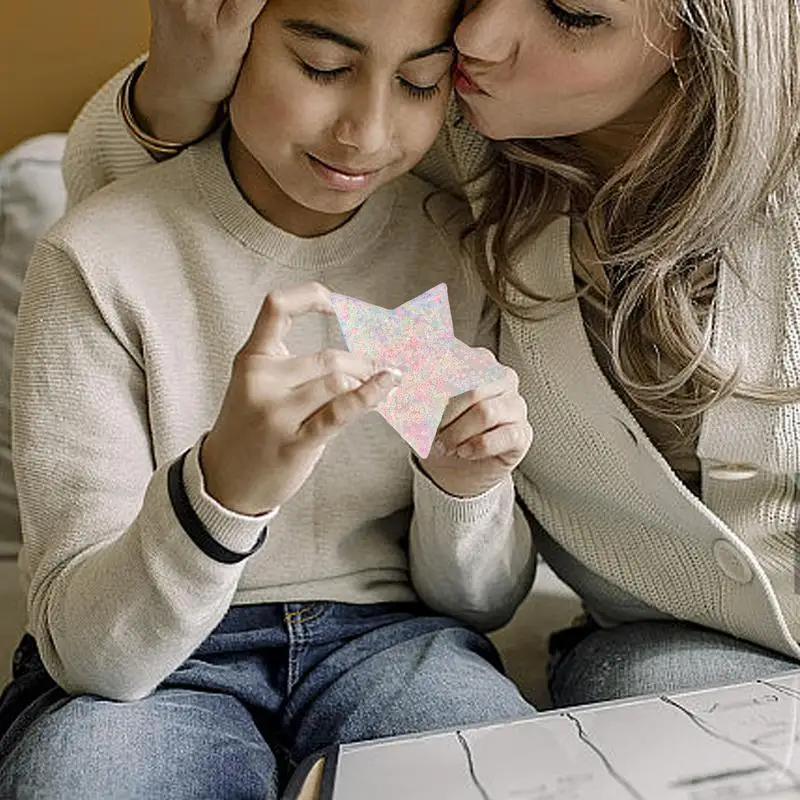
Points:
(418, 338)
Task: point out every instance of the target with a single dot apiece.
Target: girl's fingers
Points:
(325, 422)
(509, 442)
(297, 372)
(307, 400)
(463, 402)
(481, 417)
(275, 317)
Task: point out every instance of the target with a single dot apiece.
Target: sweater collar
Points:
(226, 202)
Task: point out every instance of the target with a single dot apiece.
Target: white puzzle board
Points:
(732, 743)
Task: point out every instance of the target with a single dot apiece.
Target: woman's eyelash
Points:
(572, 20)
(330, 75)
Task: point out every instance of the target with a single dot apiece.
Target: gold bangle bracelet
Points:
(158, 148)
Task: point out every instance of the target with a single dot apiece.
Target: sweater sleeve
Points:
(130, 564)
(99, 149)
(471, 558)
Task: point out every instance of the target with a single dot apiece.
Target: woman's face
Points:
(546, 68)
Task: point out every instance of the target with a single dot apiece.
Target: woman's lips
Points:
(464, 83)
(342, 179)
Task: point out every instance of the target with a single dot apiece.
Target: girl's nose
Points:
(365, 125)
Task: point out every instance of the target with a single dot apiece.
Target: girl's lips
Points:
(340, 179)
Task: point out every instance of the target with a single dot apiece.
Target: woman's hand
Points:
(280, 411)
(196, 51)
(483, 435)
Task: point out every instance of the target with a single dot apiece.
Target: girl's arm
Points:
(124, 583)
(471, 558)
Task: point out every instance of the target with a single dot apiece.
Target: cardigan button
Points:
(732, 472)
(731, 562)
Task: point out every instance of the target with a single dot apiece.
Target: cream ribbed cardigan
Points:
(600, 488)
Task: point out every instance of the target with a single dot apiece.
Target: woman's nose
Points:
(487, 32)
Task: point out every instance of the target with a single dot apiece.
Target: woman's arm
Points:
(196, 51)
(99, 148)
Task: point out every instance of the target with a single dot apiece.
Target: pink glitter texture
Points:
(418, 338)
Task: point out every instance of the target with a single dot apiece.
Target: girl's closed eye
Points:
(420, 92)
(414, 90)
(322, 75)
(573, 20)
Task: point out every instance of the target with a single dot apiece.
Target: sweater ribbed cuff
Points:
(238, 534)
(461, 510)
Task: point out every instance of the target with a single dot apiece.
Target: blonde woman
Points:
(631, 166)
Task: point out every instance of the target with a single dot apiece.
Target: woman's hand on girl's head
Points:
(280, 411)
(483, 435)
(196, 51)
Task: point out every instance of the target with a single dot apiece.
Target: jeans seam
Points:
(313, 611)
(299, 640)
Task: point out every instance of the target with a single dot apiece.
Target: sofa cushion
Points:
(32, 198)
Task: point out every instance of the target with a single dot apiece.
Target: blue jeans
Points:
(589, 664)
(271, 685)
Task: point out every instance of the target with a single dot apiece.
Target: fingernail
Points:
(398, 374)
(387, 378)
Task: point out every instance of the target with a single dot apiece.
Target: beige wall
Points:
(55, 53)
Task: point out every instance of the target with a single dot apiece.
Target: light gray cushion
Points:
(32, 198)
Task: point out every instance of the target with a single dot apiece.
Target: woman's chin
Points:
(484, 121)
(472, 115)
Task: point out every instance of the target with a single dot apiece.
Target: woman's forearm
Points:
(166, 115)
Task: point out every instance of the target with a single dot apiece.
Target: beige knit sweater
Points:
(133, 308)
(604, 493)
(592, 478)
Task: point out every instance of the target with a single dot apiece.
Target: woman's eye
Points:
(573, 20)
(419, 92)
(322, 75)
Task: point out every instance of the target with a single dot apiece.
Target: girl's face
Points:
(335, 99)
(546, 68)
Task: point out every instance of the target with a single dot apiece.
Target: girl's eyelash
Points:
(420, 92)
(330, 75)
(322, 75)
(572, 20)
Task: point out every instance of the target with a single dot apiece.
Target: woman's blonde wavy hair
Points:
(722, 154)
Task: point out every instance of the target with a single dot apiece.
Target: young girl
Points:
(199, 538)
(639, 226)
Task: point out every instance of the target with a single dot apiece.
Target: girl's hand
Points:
(484, 434)
(280, 411)
(196, 51)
